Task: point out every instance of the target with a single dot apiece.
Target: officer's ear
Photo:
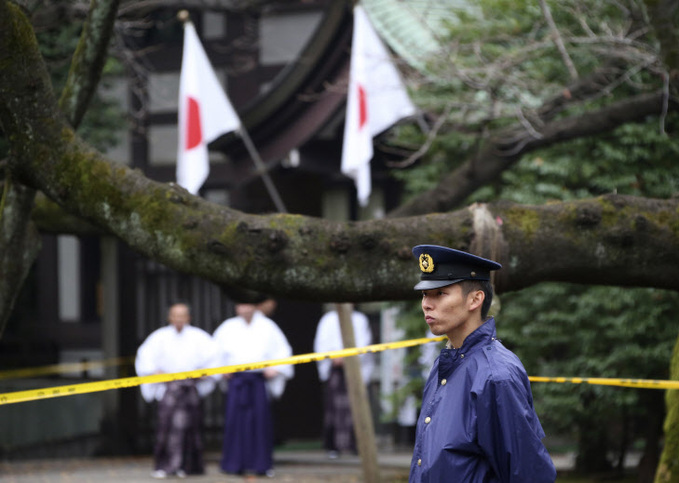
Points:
(475, 299)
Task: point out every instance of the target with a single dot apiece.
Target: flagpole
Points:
(261, 169)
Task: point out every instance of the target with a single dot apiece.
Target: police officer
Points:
(477, 422)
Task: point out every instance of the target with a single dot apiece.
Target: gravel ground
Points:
(298, 467)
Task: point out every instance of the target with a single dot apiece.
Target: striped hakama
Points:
(179, 442)
(338, 426)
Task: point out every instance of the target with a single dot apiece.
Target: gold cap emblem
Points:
(426, 263)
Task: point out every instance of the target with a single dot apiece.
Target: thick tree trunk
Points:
(19, 240)
(654, 402)
(19, 244)
(668, 469)
(592, 449)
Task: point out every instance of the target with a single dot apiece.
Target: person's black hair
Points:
(486, 287)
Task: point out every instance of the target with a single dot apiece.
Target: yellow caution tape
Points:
(88, 387)
(63, 368)
(603, 381)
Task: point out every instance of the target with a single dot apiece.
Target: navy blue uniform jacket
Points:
(477, 422)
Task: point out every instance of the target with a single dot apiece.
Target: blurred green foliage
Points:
(559, 329)
(105, 117)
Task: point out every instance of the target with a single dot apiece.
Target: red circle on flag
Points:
(194, 133)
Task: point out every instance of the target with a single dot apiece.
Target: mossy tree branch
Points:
(312, 259)
(88, 60)
(502, 149)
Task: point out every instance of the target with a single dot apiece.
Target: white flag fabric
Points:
(205, 112)
(376, 99)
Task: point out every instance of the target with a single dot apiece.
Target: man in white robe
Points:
(177, 347)
(250, 336)
(338, 431)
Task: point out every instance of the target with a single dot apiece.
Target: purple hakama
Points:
(248, 425)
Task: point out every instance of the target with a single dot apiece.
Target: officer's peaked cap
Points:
(441, 266)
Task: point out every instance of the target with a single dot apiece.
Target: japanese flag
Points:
(205, 113)
(376, 99)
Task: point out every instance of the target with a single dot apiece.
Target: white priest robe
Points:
(166, 351)
(329, 338)
(240, 342)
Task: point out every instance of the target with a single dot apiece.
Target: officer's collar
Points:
(482, 332)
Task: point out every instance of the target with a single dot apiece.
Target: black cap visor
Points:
(431, 284)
